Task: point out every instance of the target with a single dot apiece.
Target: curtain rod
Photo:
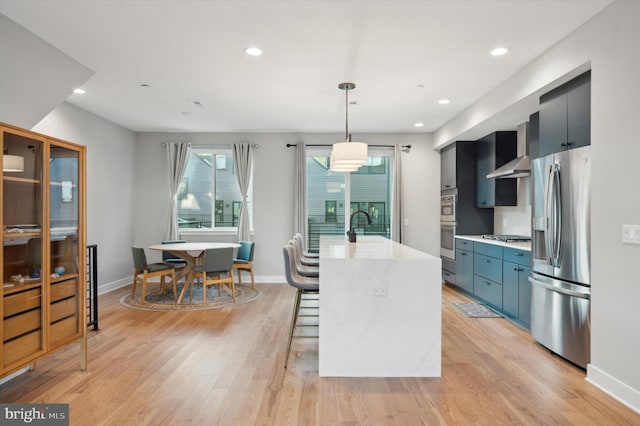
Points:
(289, 145)
(224, 145)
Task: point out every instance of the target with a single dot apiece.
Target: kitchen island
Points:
(380, 309)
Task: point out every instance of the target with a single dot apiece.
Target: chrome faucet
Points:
(351, 232)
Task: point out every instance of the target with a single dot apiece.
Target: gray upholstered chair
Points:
(141, 267)
(304, 270)
(298, 236)
(216, 270)
(303, 286)
(307, 261)
(172, 259)
(244, 260)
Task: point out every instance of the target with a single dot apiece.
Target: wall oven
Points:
(448, 225)
(447, 239)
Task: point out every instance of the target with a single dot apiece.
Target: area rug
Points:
(154, 301)
(476, 310)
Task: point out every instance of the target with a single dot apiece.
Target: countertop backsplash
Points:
(515, 220)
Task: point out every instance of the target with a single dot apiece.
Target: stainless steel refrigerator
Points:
(561, 252)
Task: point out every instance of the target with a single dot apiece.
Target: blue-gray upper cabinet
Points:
(565, 117)
(493, 151)
(448, 168)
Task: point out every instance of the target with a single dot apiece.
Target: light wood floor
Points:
(226, 367)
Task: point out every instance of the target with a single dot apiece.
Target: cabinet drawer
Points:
(20, 324)
(63, 289)
(448, 277)
(488, 249)
(64, 308)
(20, 302)
(488, 267)
(464, 244)
(63, 329)
(21, 347)
(521, 257)
(488, 290)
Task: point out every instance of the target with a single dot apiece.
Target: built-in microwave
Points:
(448, 208)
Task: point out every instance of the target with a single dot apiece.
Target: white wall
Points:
(273, 190)
(609, 43)
(110, 178)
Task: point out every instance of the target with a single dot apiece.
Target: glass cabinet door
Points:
(22, 250)
(64, 248)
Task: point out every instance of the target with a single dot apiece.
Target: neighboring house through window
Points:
(209, 197)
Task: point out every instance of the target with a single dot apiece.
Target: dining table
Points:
(192, 253)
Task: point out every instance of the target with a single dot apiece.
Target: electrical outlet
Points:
(380, 292)
(631, 234)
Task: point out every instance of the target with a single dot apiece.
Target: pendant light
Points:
(347, 156)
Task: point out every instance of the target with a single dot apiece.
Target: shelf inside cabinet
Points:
(11, 287)
(21, 234)
(19, 179)
(63, 277)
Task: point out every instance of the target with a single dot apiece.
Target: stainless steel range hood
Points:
(518, 167)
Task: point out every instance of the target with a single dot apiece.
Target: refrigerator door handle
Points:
(557, 211)
(560, 290)
(547, 218)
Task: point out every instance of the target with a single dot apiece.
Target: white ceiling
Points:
(402, 55)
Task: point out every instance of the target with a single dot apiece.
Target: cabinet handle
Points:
(563, 144)
(463, 254)
(487, 283)
(483, 203)
(519, 254)
(487, 261)
(569, 144)
(447, 186)
(516, 269)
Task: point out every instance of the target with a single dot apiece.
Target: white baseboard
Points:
(114, 285)
(263, 279)
(614, 387)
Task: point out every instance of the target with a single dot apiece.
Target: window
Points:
(210, 197)
(369, 189)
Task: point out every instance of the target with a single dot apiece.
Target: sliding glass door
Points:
(329, 193)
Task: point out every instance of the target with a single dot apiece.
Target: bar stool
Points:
(303, 285)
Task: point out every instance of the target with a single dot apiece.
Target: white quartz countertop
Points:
(524, 245)
(367, 247)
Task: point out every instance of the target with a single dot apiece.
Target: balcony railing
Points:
(318, 225)
(204, 221)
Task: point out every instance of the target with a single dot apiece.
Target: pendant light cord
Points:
(347, 136)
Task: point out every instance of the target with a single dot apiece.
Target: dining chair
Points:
(304, 286)
(244, 260)
(172, 259)
(307, 261)
(150, 270)
(217, 269)
(304, 270)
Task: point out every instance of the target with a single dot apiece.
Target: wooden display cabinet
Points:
(43, 304)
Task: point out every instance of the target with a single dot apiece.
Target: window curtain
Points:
(300, 194)
(243, 161)
(178, 157)
(396, 202)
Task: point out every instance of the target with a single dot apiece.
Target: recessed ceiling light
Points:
(444, 101)
(196, 103)
(253, 51)
(79, 91)
(418, 124)
(499, 51)
(145, 85)
(420, 86)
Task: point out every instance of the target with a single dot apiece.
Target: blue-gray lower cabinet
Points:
(516, 297)
(488, 290)
(464, 270)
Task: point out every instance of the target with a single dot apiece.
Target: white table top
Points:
(192, 246)
(366, 247)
